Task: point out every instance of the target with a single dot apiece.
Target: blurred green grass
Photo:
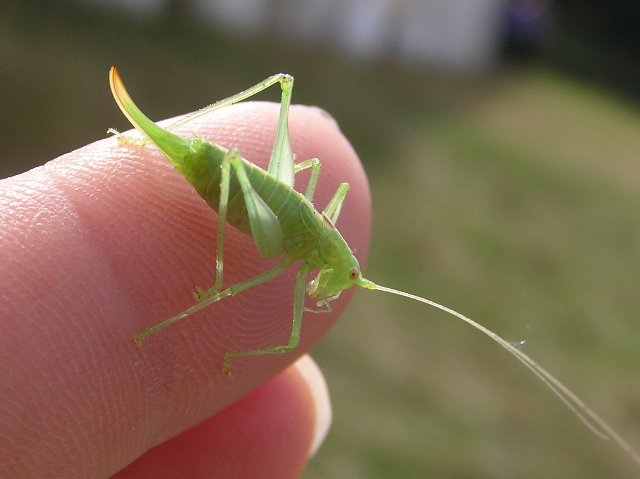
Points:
(511, 197)
(521, 234)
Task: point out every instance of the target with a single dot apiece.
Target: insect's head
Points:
(331, 281)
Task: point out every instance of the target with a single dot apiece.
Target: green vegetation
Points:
(531, 239)
(513, 198)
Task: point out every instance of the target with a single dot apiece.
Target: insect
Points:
(284, 223)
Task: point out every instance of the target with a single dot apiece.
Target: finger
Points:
(267, 434)
(108, 240)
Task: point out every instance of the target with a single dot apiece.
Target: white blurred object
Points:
(135, 7)
(460, 35)
(367, 28)
(357, 29)
(457, 35)
(243, 17)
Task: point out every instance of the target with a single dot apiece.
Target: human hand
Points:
(109, 239)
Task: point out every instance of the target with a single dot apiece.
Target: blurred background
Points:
(502, 143)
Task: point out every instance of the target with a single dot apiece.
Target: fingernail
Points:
(311, 373)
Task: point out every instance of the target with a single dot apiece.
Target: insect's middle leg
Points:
(332, 211)
(232, 290)
(294, 338)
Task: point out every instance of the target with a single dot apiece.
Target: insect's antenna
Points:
(594, 422)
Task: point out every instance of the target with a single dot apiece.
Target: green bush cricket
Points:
(284, 223)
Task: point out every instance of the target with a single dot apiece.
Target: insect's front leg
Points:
(323, 305)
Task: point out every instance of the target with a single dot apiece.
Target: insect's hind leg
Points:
(265, 228)
(225, 178)
(281, 163)
(238, 97)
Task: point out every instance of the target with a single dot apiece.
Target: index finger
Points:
(108, 240)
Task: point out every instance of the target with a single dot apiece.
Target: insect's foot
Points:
(200, 294)
(138, 338)
(127, 140)
(226, 367)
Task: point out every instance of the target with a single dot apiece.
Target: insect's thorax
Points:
(307, 235)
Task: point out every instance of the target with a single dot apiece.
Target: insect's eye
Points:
(353, 274)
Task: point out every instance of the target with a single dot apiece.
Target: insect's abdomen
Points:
(301, 224)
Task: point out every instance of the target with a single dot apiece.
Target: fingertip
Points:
(311, 374)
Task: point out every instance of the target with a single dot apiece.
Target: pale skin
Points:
(89, 261)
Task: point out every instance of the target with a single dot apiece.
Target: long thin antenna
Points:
(593, 421)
